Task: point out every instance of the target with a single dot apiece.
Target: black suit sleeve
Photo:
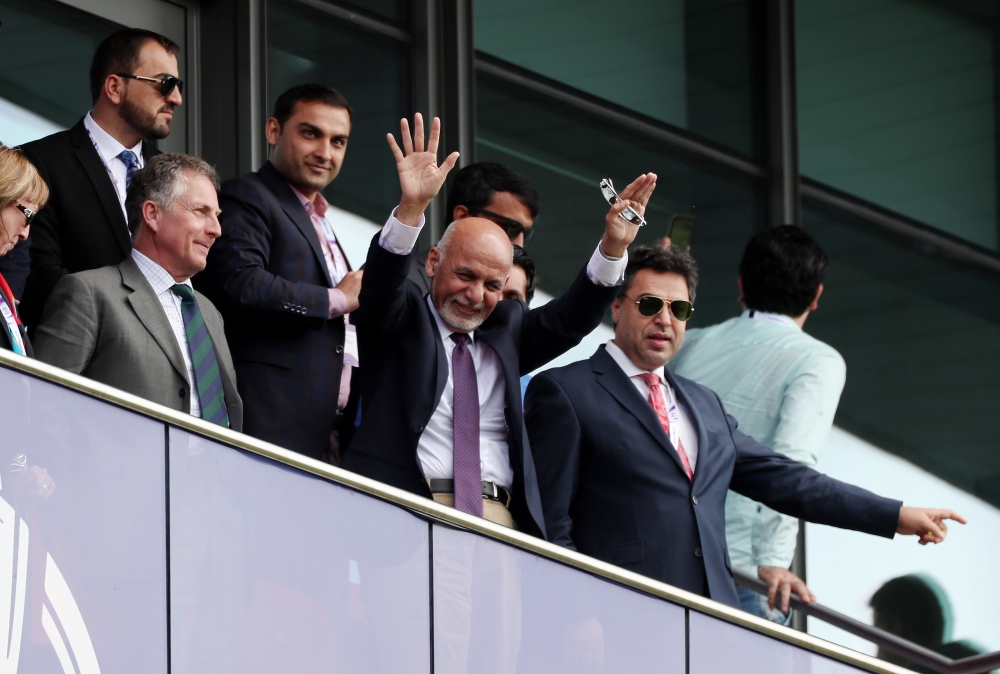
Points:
(555, 436)
(15, 265)
(46, 261)
(238, 264)
(383, 307)
(552, 329)
(797, 490)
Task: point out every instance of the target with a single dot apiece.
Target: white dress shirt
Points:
(436, 446)
(109, 149)
(687, 432)
(161, 281)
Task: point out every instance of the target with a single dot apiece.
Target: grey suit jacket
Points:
(107, 324)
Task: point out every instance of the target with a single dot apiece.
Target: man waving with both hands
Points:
(440, 396)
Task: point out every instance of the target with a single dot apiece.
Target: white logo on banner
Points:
(58, 611)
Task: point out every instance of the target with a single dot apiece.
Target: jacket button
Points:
(285, 305)
(694, 500)
(339, 349)
(182, 393)
(418, 429)
(697, 552)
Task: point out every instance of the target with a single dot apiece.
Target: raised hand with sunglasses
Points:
(619, 232)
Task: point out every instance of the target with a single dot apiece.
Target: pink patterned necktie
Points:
(468, 476)
(659, 404)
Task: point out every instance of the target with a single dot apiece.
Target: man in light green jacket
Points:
(781, 385)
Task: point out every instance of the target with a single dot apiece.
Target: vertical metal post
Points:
(251, 87)
(428, 94)
(459, 84)
(799, 619)
(784, 204)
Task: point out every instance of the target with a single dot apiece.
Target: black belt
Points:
(491, 490)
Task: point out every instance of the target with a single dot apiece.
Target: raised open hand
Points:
(618, 233)
(420, 177)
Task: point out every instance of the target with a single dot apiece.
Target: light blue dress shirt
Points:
(783, 387)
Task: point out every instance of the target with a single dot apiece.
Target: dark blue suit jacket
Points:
(612, 485)
(268, 277)
(404, 371)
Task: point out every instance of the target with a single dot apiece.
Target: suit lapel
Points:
(441, 359)
(499, 339)
(614, 380)
(695, 418)
(93, 166)
(296, 212)
(147, 307)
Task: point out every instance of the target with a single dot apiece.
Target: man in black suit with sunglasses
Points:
(492, 191)
(634, 462)
(135, 87)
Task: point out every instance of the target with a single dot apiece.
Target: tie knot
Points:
(650, 379)
(183, 291)
(460, 338)
(129, 159)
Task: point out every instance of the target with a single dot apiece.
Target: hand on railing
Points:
(928, 523)
(783, 581)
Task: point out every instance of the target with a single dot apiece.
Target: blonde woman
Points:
(22, 195)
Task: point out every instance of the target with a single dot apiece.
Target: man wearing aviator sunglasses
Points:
(493, 192)
(135, 86)
(634, 464)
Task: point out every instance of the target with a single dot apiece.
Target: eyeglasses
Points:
(510, 225)
(651, 305)
(29, 214)
(167, 84)
(629, 214)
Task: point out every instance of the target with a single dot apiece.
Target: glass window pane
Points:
(373, 73)
(46, 50)
(82, 532)
(897, 105)
(719, 647)
(499, 609)
(921, 337)
(687, 63)
(565, 155)
(396, 10)
(274, 570)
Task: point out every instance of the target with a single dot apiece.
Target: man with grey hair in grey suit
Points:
(140, 326)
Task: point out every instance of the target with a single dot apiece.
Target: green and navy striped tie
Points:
(206, 367)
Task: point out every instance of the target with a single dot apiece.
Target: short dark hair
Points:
(913, 607)
(119, 53)
(524, 261)
(308, 93)
(661, 261)
(475, 185)
(781, 270)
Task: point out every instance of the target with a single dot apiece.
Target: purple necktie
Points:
(465, 422)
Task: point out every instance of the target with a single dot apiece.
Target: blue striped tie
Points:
(206, 367)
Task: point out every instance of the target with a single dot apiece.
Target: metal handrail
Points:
(975, 664)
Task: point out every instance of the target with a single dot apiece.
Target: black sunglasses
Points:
(510, 225)
(29, 214)
(651, 305)
(167, 84)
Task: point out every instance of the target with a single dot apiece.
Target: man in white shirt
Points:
(136, 88)
(440, 397)
(634, 463)
(139, 325)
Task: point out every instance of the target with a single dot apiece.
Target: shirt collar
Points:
(628, 367)
(158, 277)
(780, 319)
(106, 143)
(317, 208)
(445, 329)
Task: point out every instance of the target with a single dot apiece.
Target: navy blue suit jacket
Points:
(612, 485)
(268, 277)
(404, 370)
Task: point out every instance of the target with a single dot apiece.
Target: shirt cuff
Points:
(338, 302)
(604, 272)
(399, 238)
